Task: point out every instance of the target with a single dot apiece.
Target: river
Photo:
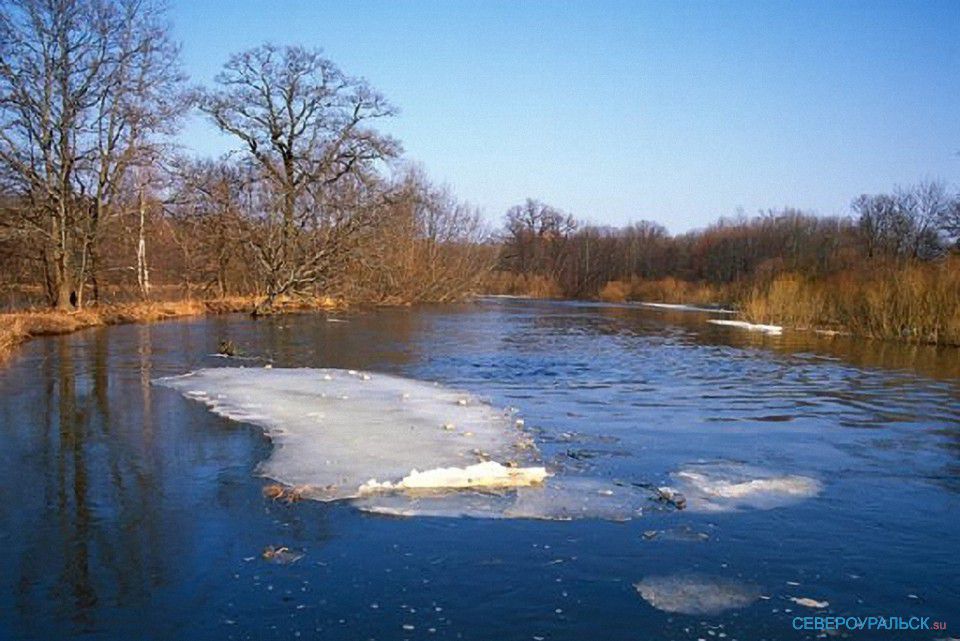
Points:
(131, 511)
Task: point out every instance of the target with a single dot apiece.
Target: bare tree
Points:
(536, 232)
(304, 123)
(84, 84)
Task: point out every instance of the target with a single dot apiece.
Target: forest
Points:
(100, 205)
(890, 269)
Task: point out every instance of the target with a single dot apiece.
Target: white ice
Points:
(696, 594)
(334, 430)
(488, 474)
(557, 499)
(682, 307)
(724, 487)
(753, 327)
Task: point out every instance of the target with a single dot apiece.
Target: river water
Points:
(130, 511)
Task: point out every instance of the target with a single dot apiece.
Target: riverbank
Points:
(912, 302)
(19, 327)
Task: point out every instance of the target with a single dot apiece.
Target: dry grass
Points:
(664, 290)
(532, 285)
(17, 327)
(918, 303)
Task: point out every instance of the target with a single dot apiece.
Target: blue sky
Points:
(677, 112)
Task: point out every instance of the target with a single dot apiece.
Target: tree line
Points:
(98, 200)
(890, 269)
(543, 247)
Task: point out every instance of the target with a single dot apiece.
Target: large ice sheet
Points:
(335, 430)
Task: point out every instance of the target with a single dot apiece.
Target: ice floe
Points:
(334, 430)
(723, 487)
(696, 593)
(753, 327)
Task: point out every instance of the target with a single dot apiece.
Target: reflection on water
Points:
(126, 508)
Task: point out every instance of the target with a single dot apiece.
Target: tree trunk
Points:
(143, 272)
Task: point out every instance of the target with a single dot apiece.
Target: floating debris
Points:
(227, 348)
(278, 492)
(281, 555)
(672, 497)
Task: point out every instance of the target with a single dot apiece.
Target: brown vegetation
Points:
(313, 200)
(890, 272)
(916, 302)
(17, 327)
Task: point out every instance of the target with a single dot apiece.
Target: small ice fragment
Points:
(519, 422)
(809, 603)
(327, 377)
(724, 486)
(696, 594)
(268, 366)
(772, 330)
(461, 401)
(449, 427)
(365, 377)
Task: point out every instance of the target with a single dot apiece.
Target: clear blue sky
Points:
(617, 111)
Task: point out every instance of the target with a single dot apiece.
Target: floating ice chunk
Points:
(809, 603)
(488, 474)
(696, 594)
(367, 431)
(688, 308)
(721, 487)
(766, 329)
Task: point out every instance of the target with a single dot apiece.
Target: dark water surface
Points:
(130, 512)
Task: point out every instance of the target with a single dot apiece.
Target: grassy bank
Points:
(917, 302)
(17, 327)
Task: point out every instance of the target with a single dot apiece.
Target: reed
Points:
(663, 290)
(915, 302)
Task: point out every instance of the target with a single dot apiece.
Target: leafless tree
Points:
(305, 124)
(84, 87)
